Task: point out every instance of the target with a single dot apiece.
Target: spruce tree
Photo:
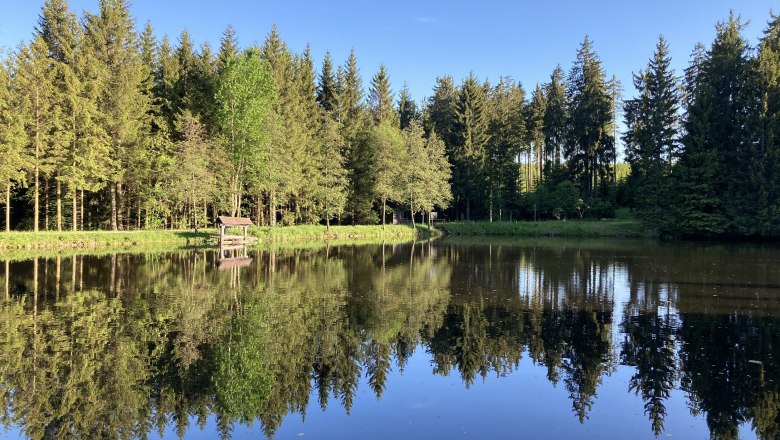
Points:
(59, 29)
(13, 139)
(380, 97)
(720, 188)
(507, 134)
(555, 121)
(327, 87)
(111, 37)
(768, 132)
(36, 92)
(590, 145)
(652, 123)
(228, 47)
(407, 108)
(470, 137)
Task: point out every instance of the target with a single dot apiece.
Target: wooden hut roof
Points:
(234, 221)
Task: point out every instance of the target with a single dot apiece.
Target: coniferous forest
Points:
(105, 125)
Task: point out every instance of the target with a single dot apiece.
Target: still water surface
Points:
(470, 339)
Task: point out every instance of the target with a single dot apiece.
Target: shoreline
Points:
(69, 240)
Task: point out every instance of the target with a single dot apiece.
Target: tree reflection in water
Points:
(125, 345)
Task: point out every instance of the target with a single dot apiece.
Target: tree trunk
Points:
(468, 209)
(112, 190)
(8, 208)
(59, 206)
(82, 209)
(75, 213)
(384, 203)
(271, 208)
(490, 203)
(46, 205)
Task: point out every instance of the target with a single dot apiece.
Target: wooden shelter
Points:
(224, 222)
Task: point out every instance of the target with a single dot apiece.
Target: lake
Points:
(453, 338)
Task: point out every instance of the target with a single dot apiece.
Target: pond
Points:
(452, 338)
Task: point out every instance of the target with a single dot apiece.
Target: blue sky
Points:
(420, 40)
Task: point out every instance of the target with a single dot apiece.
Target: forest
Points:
(103, 125)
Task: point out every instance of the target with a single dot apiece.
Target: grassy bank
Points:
(98, 239)
(317, 232)
(24, 240)
(552, 228)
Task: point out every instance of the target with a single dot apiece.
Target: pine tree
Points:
(228, 47)
(768, 137)
(470, 138)
(720, 187)
(111, 37)
(380, 97)
(59, 29)
(407, 109)
(555, 121)
(535, 131)
(507, 134)
(590, 145)
(354, 121)
(13, 139)
(327, 86)
(36, 92)
(652, 122)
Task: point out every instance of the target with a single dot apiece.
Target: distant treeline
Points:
(105, 127)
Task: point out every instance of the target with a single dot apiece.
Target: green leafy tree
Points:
(245, 94)
(332, 194)
(389, 163)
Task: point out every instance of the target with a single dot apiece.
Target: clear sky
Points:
(420, 40)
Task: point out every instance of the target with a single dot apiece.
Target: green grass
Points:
(317, 232)
(25, 240)
(98, 239)
(553, 228)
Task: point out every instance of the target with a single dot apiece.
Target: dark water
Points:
(450, 339)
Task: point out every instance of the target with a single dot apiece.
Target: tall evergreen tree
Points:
(470, 138)
(507, 133)
(380, 97)
(13, 139)
(717, 187)
(327, 87)
(228, 47)
(535, 141)
(59, 29)
(768, 133)
(555, 121)
(652, 122)
(36, 92)
(590, 145)
(407, 108)
(111, 37)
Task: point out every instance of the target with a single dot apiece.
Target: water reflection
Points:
(128, 345)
